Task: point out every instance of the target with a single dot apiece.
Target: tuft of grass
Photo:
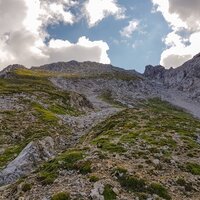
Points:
(193, 168)
(61, 196)
(105, 145)
(84, 167)
(155, 188)
(45, 114)
(138, 185)
(26, 187)
(94, 178)
(108, 193)
(48, 172)
(132, 184)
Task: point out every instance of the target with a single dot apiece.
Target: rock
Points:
(27, 160)
(198, 138)
(116, 191)
(156, 72)
(97, 192)
(156, 162)
(2, 150)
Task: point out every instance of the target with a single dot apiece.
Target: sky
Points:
(125, 33)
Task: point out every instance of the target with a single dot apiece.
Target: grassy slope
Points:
(122, 150)
(40, 103)
(130, 140)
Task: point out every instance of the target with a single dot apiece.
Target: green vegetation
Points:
(194, 168)
(44, 114)
(138, 185)
(61, 196)
(158, 189)
(84, 167)
(131, 183)
(38, 104)
(67, 160)
(26, 187)
(129, 130)
(94, 178)
(108, 193)
(105, 145)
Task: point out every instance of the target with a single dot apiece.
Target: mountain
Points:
(72, 130)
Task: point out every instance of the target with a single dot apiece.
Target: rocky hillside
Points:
(92, 131)
(185, 78)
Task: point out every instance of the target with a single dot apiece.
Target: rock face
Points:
(28, 159)
(185, 78)
(154, 72)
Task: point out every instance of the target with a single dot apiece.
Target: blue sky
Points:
(126, 33)
(142, 48)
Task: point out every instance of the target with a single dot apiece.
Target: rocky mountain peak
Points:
(10, 68)
(155, 72)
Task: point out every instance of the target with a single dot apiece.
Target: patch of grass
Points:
(108, 193)
(94, 178)
(47, 178)
(105, 145)
(45, 114)
(61, 196)
(138, 185)
(133, 184)
(84, 167)
(181, 181)
(9, 154)
(155, 188)
(193, 168)
(48, 172)
(26, 187)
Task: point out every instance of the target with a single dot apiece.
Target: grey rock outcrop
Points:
(185, 78)
(97, 191)
(5, 72)
(28, 159)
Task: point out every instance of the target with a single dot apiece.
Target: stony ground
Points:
(96, 138)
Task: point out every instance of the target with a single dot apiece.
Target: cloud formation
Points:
(99, 9)
(24, 36)
(130, 28)
(183, 17)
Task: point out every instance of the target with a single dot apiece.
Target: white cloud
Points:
(182, 15)
(23, 37)
(84, 49)
(130, 29)
(97, 10)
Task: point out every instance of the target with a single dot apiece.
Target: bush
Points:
(61, 196)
